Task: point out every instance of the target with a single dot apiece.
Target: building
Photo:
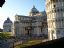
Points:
(55, 18)
(34, 25)
(7, 26)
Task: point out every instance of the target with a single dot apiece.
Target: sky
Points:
(19, 7)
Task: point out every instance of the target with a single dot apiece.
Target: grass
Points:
(5, 35)
(29, 43)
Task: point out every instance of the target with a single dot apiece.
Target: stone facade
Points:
(34, 25)
(55, 18)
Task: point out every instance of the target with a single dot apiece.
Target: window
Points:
(52, 31)
(57, 10)
(54, 6)
(62, 19)
(61, 9)
(54, 10)
(58, 31)
(41, 29)
(53, 0)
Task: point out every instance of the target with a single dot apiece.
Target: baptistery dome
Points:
(8, 21)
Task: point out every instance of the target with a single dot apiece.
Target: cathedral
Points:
(34, 25)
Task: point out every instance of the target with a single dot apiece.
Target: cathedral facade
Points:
(34, 25)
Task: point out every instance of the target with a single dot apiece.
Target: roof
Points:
(8, 21)
(33, 10)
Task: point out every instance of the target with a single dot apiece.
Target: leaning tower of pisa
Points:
(55, 18)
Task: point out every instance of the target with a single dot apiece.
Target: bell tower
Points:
(55, 18)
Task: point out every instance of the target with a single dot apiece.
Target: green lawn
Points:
(5, 35)
(29, 43)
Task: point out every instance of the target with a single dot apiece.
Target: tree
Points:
(2, 2)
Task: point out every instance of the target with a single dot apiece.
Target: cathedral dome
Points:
(8, 21)
(34, 10)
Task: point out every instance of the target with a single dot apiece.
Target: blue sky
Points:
(21, 7)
